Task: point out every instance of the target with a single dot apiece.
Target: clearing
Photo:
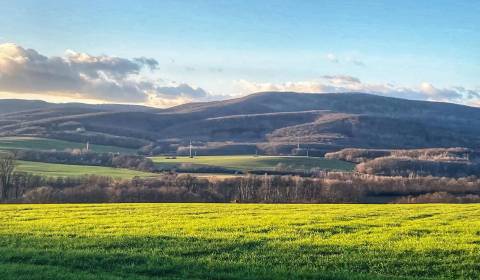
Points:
(67, 170)
(252, 163)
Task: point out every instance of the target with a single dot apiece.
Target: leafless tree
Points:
(7, 167)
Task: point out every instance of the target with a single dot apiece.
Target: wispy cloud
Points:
(341, 80)
(356, 61)
(344, 60)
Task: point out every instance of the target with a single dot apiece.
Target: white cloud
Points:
(332, 58)
(345, 83)
(84, 76)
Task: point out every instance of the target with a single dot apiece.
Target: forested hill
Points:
(273, 122)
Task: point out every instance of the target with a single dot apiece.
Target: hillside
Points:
(272, 123)
(19, 105)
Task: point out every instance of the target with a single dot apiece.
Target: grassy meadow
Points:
(66, 170)
(239, 241)
(247, 162)
(12, 143)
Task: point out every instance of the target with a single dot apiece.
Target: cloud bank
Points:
(84, 76)
(345, 83)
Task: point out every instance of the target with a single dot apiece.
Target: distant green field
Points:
(10, 143)
(246, 163)
(64, 170)
(236, 241)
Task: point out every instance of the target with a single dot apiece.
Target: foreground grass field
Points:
(234, 241)
(65, 170)
(246, 163)
(11, 143)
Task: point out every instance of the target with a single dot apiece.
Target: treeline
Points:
(404, 166)
(358, 155)
(327, 187)
(446, 162)
(431, 154)
(80, 157)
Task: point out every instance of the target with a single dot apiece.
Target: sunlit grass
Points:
(66, 170)
(236, 241)
(246, 162)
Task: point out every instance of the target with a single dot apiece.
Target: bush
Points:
(327, 187)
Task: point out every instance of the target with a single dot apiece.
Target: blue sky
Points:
(420, 49)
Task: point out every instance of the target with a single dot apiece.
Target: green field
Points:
(12, 143)
(235, 241)
(245, 163)
(65, 170)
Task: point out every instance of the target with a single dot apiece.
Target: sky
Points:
(164, 53)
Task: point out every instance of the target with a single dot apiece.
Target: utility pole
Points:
(297, 152)
(190, 148)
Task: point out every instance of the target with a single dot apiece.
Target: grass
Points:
(65, 170)
(12, 143)
(235, 241)
(246, 163)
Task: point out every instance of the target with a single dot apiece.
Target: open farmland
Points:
(246, 163)
(235, 241)
(66, 170)
(13, 143)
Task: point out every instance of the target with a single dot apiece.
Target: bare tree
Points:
(7, 167)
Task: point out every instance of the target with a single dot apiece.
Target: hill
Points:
(18, 105)
(269, 123)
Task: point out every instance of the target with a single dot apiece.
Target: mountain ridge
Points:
(270, 121)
